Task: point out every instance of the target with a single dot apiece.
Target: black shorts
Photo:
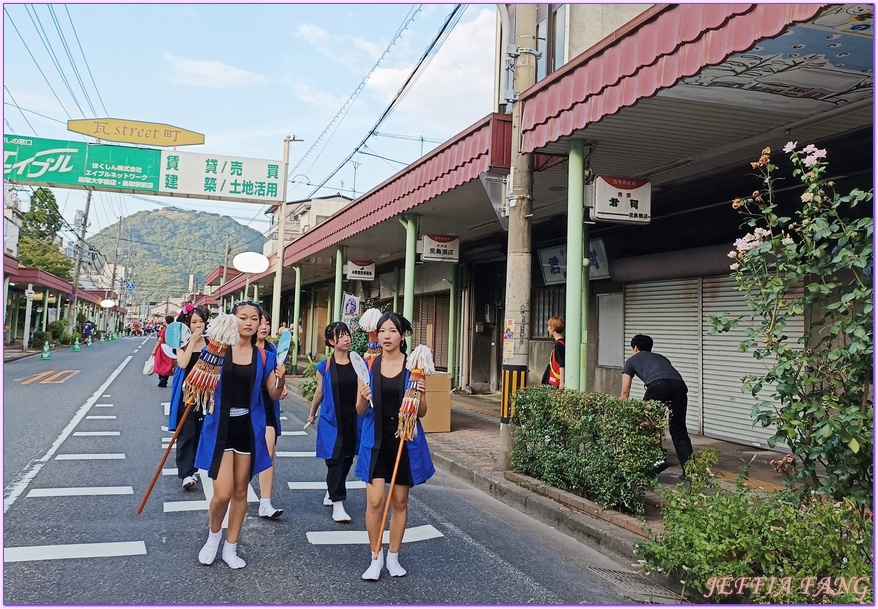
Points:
(238, 435)
(387, 456)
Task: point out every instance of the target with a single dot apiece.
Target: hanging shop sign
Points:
(553, 262)
(361, 270)
(350, 308)
(42, 162)
(621, 200)
(441, 248)
(135, 132)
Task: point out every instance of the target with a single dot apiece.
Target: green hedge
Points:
(592, 443)
(748, 546)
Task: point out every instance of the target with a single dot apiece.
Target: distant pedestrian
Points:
(87, 329)
(554, 374)
(663, 384)
(187, 440)
(164, 365)
(338, 432)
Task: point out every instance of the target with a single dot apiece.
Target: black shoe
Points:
(660, 467)
(684, 477)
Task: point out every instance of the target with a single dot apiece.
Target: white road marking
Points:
(281, 453)
(96, 433)
(106, 395)
(12, 492)
(283, 419)
(169, 472)
(321, 486)
(294, 433)
(81, 491)
(164, 428)
(103, 405)
(74, 550)
(101, 417)
(186, 506)
(324, 538)
(167, 407)
(88, 456)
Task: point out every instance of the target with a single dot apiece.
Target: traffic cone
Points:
(46, 354)
(102, 339)
(76, 348)
(88, 342)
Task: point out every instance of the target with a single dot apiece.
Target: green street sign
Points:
(35, 160)
(122, 167)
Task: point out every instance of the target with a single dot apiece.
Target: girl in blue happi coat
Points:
(379, 446)
(232, 446)
(338, 431)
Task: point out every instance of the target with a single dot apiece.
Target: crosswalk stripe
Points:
(167, 407)
(88, 456)
(281, 453)
(294, 433)
(169, 471)
(186, 506)
(74, 550)
(101, 417)
(96, 433)
(321, 486)
(106, 395)
(103, 405)
(324, 538)
(81, 491)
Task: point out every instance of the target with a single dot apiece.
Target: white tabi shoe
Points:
(326, 500)
(338, 512)
(374, 570)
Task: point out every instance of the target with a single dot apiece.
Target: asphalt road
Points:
(72, 484)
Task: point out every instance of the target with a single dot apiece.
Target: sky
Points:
(245, 76)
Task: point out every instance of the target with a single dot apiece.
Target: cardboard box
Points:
(438, 417)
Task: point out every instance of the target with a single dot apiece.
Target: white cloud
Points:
(352, 52)
(457, 87)
(209, 73)
(321, 101)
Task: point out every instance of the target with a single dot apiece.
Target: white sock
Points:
(326, 500)
(338, 512)
(374, 570)
(208, 552)
(230, 556)
(393, 565)
(265, 503)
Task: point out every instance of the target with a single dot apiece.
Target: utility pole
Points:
(520, 204)
(226, 265)
(281, 239)
(71, 314)
(116, 257)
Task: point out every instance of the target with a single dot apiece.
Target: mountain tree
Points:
(42, 219)
(42, 253)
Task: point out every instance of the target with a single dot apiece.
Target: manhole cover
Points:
(637, 587)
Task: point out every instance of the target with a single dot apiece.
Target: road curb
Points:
(585, 528)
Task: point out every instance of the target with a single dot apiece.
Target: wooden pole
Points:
(158, 472)
(375, 551)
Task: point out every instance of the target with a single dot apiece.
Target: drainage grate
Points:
(637, 587)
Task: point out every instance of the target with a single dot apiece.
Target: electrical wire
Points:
(407, 20)
(44, 38)
(434, 45)
(79, 44)
(51, 88)
(70, 59)
(15, 103)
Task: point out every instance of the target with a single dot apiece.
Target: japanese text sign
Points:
(441, 248)
(211, 176)
(553, 262)
(361, 270)
(622, 200)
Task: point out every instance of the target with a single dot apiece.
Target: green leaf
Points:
(854, 445)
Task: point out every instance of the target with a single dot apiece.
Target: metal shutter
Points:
(727, 411)
(668, 311)
(440, 331)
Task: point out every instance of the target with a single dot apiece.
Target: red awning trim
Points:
(10, 265)
(217, 274)
(676, 44)
(457, 162)
(89, 296)
(42, 279)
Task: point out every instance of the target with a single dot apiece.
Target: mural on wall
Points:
(811, 67)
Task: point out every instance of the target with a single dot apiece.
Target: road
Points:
(81, 447)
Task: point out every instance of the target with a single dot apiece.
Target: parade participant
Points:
(338, 434)
(232, 444)
(187, 440)
(554, 374)
(272, 424)
(379, 445)
(164, 365)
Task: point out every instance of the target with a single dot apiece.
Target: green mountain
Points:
(163, 247)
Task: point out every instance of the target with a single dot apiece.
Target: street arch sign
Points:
(135, 132)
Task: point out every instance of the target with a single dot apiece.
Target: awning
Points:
(637, 62)
(42, 279)
(10, 265)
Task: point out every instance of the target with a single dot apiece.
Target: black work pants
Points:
(336, 472)
(187, 441)
(674, 394)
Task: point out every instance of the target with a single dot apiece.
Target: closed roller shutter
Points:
(668, 311)
(430, 326)
(727, 411)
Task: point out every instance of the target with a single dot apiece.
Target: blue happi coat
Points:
(370, 436)
(329, 442)
(215, 425)
(269, 403)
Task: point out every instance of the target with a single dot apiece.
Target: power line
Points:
(87, 67)
(38, 26)
(70, 59)
(410, 16)
(15, 103)
(446, 28)
(15, 27)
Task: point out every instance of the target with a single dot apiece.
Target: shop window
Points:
(551, 38)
